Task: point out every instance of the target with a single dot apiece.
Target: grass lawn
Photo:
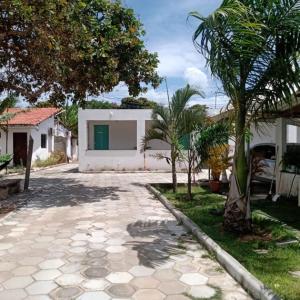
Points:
(272, 266)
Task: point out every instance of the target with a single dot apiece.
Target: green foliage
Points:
(5, 158)
(69, 118)
(271, 268)
(209, 136)
(137, 103)
(99, 104)
(171, 124)
(55, 158)
(68, 49)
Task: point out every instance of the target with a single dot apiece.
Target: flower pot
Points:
(215, 186)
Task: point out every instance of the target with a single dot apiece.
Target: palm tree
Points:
(167, 125)
(252, 47)
(192, 120)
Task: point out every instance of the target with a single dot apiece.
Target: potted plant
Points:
(217, 162)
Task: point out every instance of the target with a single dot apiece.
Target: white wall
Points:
(156, 144)
(42, 128)
(265, 135)
(98, 160)
(122, 134)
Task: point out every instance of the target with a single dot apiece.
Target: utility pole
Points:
(165, 78)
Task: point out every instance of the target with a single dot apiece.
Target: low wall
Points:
(123, 160)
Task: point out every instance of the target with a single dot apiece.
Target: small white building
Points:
(112, 140)
(42, 125)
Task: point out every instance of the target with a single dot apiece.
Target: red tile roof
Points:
(31, 116)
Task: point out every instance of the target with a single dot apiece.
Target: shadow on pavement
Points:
(154, 243)
(59, 192)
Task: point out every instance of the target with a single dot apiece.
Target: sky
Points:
(169, 33)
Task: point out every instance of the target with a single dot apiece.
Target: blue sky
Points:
(170, 35)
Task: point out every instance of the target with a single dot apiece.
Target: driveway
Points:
(102, 236)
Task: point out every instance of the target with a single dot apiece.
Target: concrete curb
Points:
(250, 283)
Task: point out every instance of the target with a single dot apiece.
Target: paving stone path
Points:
(102, 236)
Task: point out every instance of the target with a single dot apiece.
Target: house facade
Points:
(111, 139)
(42, 125)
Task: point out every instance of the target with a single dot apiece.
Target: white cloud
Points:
(175, 57)
(196, 77)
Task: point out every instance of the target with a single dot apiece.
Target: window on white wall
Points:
(43, 141)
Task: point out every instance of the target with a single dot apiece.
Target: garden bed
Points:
(259, 252)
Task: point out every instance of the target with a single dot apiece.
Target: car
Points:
(264, 162)
(264, 157)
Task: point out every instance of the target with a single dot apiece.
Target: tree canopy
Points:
(137, 103)
(72, 49)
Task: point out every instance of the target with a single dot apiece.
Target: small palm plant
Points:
(167, 126)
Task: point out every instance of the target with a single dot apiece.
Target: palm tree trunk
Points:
(190, 183)
(190, 166)
(237, 216)
(174, 173)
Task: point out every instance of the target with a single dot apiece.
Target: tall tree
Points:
(252, 47)
(72, 49)
(168, 125)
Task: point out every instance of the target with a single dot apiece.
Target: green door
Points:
(101, 137)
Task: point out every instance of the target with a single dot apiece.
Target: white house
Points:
(41, 124)
(112, 140)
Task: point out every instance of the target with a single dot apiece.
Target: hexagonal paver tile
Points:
(172, 287)
(77, 250)
(41, 287)
(51, 264)
(121, 290)
(141, 271)
(7, 266)
(17, 282)
(145, 282)
(202, 292)
(46, 274)
(97, 253)
(31, 261)
(80, 237)
(166, 275)
(69, 279)
(66, 293)
(25, 270)
(119, 277)
(71, 267)
(17, 294)
(193, 279)
(5, 246)
(95, 284)
(115, 242)
(38, 297)
(97, 262)
(94, 296)
(148, 294)
(95, 272)
(116, 249)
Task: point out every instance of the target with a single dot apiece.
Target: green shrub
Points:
(5, 158)
(55, 158)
